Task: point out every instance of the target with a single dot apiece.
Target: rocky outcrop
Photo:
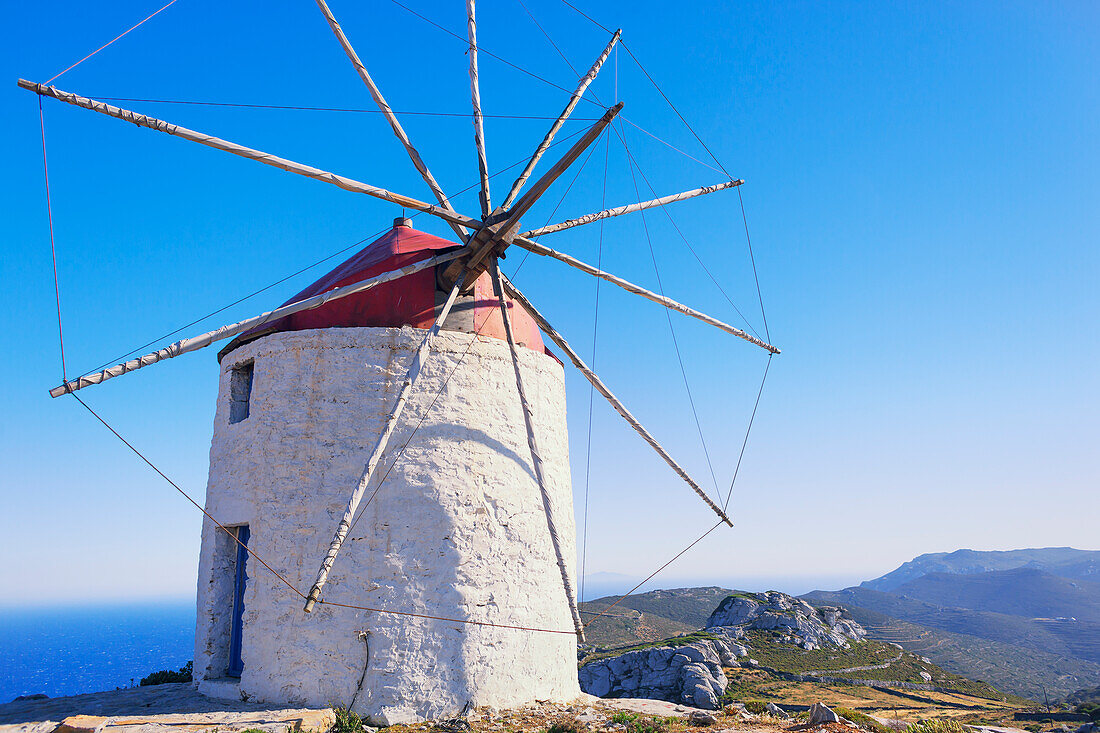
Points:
(798, 621)
(689, 673)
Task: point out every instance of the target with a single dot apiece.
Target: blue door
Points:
(236, 664)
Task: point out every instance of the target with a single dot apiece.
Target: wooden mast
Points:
(631, 208)
(219, 334)
(348, 184)
(620, 408)
(379, 448)
(536, 457)
(549, 138)
(479, 121)
(541, 249)
(399, 131)
(475, 250)
(498, 235)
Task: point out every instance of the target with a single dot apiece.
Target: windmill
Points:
(410, 663)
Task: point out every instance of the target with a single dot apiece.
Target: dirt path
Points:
(832, 672)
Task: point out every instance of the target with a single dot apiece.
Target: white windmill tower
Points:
(454, 584)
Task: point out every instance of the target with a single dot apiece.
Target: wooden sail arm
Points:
(536, 457)
(631, 208)
(600, 387)
(479, 120)
(538, 188)
(384, 107)
(411, 376)
(541, 249)
(220, 334)
(498, 235)
(348, 184)
(585, 81)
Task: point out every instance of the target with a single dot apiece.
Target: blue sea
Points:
(70, 650)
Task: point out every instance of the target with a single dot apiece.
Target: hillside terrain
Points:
(650, 616)
(1063, 637)
(1065, 562)
(769, 647)
(1023, 592)
(1027, 672)
(1091, 695)
(1024, 621)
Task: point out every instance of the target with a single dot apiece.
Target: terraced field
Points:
(884, 704)
(1007, 667)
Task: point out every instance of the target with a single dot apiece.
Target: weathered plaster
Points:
(456, 530)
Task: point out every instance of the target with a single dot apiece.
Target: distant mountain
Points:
(650, 616)
(691, 606)
(1079, 639)
(1021, 592)
(1066, 562)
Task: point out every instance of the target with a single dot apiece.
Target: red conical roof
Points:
(413, 300)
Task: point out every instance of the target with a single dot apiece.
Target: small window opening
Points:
(240, 391)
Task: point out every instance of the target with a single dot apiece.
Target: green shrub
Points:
(937, 726)
(863, 720)
(636, 724)
(346, 721)
(165, 676)
(756, 707)
(652, 725)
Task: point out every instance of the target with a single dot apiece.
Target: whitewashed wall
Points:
(456, 530)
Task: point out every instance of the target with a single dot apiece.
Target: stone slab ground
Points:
(153, 709)
(181, 709)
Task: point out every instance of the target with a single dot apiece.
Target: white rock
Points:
(775, 710)
(821, 714)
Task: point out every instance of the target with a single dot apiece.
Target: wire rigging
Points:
(595, 96)
(671, 328)
(187, 496)
(596, 314)
(650, 577)
(483, 50)
(321, 261)
(633, 164)
(591, 387)
(548, 38)
(717, 162)
(53, 246)
(745, 442)
(461, 359)
(108, 43)
(694, 252)
(307, 108)
(252, 552)
(752, 259)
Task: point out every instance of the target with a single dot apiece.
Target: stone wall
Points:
(456, 530)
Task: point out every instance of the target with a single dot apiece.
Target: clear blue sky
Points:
(923, 201)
